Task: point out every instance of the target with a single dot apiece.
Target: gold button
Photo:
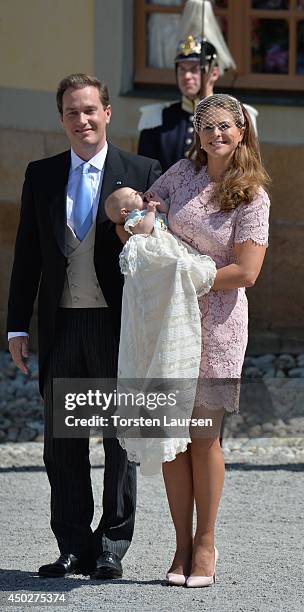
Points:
(191, 118)
(190, 129)
(188, 141)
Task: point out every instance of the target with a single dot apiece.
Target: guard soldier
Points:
(166, 130)
(170, 132)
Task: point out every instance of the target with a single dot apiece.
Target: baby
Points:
(139, 212)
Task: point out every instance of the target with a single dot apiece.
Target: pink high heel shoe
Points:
(175, 579)
(203, 581)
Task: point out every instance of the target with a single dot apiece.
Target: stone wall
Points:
(277, 300)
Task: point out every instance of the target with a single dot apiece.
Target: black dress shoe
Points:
(65, 564)
(108, 566)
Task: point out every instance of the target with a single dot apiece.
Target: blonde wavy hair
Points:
(246, 174)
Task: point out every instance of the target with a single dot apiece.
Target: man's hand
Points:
(18, 348)
(208, 81)
(121, 233)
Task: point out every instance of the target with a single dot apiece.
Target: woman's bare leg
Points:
(208, 471)
(179, 488)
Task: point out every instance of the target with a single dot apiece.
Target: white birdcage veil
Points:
(208, 115)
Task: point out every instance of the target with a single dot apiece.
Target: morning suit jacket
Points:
(170, 141)
(40, 251)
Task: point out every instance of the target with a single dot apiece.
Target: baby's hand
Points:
(150, 196)
(152, 206)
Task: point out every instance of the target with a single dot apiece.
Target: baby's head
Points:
(121, 202)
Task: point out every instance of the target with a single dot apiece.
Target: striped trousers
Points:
(85, 346)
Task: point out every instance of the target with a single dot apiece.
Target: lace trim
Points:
(138, 448)
(211, 274)
(257, 241)
(128, 258)
(132, 223)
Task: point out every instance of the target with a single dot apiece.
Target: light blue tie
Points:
(83, 217)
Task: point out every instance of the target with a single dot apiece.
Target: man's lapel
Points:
(57, 198)
(114, 177)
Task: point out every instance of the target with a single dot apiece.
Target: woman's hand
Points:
(249, 258)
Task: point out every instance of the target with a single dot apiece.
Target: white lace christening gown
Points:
(161, 327)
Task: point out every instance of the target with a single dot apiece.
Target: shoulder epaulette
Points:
(152, 115)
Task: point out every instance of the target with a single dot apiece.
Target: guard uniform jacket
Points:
(170, 141)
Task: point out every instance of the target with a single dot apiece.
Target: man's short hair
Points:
(78, 80)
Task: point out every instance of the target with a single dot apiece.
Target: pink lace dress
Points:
(198, 221)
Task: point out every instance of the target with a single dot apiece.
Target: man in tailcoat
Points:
(67, 251)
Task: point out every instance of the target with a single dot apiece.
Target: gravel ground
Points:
(258, 537)
(271, 399)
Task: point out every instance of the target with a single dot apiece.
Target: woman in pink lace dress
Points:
(217, 205)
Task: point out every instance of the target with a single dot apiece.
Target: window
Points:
(265, 37)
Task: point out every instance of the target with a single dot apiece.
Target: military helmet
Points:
(190, 49)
